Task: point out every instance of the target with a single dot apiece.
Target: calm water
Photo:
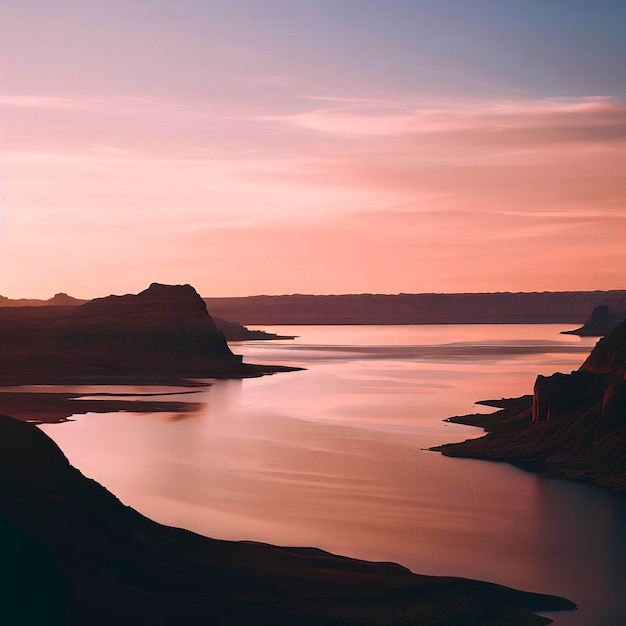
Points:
(334, 457)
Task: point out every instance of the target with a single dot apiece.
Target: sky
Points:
(312, 146)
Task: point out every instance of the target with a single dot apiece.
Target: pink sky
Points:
(274, 183)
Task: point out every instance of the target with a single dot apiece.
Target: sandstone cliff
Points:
(574, 425)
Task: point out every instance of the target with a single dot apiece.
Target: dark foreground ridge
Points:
(73, 555)
(163, 332)
(573, 426)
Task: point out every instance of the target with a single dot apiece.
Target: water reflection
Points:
(584, 530)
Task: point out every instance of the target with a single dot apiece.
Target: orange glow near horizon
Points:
(262, 183)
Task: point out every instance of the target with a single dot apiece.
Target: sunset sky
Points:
(312, 146)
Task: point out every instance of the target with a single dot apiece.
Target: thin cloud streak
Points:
(483, 116)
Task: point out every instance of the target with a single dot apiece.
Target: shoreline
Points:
(52, 407)
(506, 441)
(188, 379)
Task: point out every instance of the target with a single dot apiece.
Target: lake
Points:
(334, 457)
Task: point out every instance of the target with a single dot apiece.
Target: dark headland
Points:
(162, 336)
(232, 331)
(73, 554)
(601, 322)
(164, 332)
(572, 426)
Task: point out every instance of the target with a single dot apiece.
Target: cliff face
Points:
(160, 330)
(164, 330)
(75, 555)
(609, 354)
(574, 426)
(564, 394)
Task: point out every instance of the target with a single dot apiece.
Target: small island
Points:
(602, 322)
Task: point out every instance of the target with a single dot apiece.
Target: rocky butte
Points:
(573, 426)
(233, 331)
(601, 322)
(163, 332)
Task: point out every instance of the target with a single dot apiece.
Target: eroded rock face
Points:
(609, 354)
(577, 427)
(162, 329)
(614, 402)
(558, 395)
(563, 394)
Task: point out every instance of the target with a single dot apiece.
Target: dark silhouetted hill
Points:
(164, 331)
(232, 330)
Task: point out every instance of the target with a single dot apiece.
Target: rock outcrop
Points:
(161, 330)
(601, 322)
(74, 555)
(164, 331)
(233, 331)
(574, 426)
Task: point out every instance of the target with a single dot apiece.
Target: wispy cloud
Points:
(566, 118)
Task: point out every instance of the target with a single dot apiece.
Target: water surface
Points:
(334, 457)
